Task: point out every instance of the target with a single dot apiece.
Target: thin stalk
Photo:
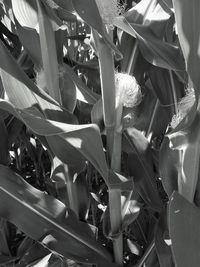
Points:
(115, 221)
(115, 195)
(107, 77)
(117, 147)
(115, 201)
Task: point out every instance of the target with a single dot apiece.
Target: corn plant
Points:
(99, 122)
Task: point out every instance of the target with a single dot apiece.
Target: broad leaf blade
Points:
(169, 167)
(9, 65)
(147, 21)
(187, 14)
(49, 54)
(61, 136)
(59, 227)
(184, 230)
(83, 92)
(187, 144)
(25, 13)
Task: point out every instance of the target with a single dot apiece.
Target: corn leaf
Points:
(83, 92)
(60, 10)
(30, 251)
(184, 230)
(189, 36)
(9, 65)
(49, 54)
(147, 22)
(62, 137)
(188, 145)
(71, 190)
(89, 12)
(162, 85)
(164, 251)
(57, 226)
(26, 13)
(30, 40)
(140, 167)
(169, 167)
(68, 91)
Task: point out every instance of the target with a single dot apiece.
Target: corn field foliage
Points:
(100, 133)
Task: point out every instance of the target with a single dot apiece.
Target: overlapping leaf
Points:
(186, 135)
(30, 40)
(147, 22)
(140, 167)
(17, 88)
(9, 65)
(89, 12)
(63, 137)
(57, 227)
(189, 156)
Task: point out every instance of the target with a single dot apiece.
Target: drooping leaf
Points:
(147, 22)
(56, 225)
(158, 52)
(152, 14)
(62, 136)
(23, 97)
(184, 231)
(9, 65)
